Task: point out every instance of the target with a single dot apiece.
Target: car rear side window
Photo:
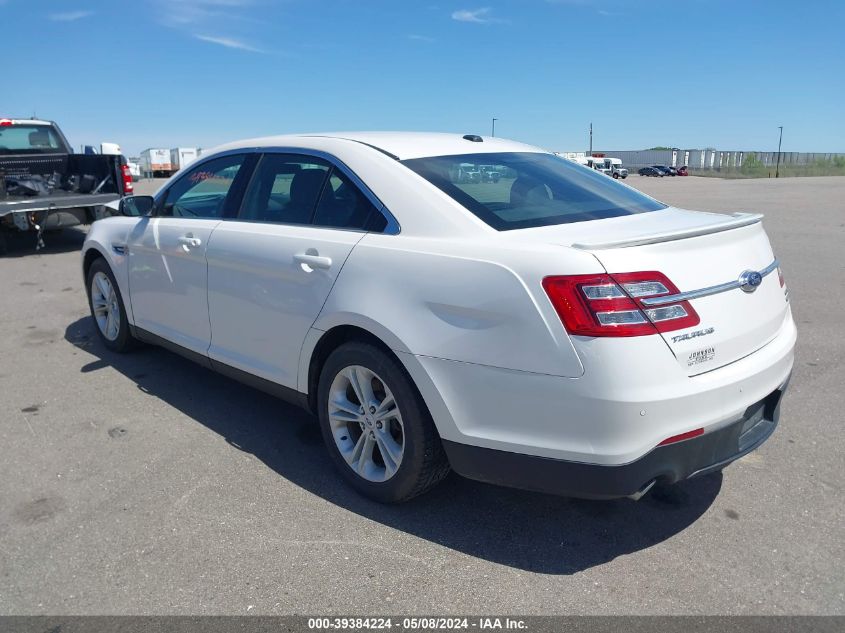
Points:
(204, 191)
(523, 190)
(285, 188)
(342, 205)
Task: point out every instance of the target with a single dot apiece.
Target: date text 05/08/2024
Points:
(416, 624)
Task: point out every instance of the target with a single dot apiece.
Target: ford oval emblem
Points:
(749, 280)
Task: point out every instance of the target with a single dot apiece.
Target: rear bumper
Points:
(56, 202)
(667, 464)
(49, 219)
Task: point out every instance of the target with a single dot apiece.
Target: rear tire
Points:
(107, 308)
(376, 426)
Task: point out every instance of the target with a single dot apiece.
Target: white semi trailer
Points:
(155, 163)
(181, 156)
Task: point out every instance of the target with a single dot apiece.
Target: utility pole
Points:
(780, 140)
(493, 131)
(591, 140)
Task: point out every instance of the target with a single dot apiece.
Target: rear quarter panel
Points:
(468, 301)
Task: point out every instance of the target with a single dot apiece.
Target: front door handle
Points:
(313, 259)
(189, 241)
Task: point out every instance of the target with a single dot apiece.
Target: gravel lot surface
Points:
(146, 484)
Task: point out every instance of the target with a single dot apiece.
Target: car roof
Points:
(399, 145)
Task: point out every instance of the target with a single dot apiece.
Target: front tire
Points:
(376, 426)
(107, 308)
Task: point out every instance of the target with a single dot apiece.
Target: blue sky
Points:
(687, 73)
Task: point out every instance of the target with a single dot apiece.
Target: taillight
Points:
(783, 284)
(5, 122)
(127, 179)
(611, 305)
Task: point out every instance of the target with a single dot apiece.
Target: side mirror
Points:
(136, 206)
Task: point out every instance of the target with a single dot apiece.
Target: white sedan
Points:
(548, 329)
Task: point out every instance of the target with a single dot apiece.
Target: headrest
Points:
(39, 138)
(306, 184)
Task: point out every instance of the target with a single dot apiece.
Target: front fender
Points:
(108, 236)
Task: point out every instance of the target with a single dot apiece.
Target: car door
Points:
(168, 271)
(271, 270)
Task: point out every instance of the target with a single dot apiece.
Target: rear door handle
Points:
(189, 241)
(313, 259)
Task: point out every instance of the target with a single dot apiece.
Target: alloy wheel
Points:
(366, 423)
(105, 306)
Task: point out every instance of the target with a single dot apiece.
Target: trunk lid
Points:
(696, 251)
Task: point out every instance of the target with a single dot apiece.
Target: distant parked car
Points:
(667, 171)
(650, 171)
(682, 171)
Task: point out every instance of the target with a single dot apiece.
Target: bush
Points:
(752, 165)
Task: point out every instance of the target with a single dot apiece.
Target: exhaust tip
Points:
(642, 491)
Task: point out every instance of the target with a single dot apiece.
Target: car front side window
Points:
(205, 191)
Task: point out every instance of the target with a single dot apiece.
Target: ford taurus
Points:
(548, 329)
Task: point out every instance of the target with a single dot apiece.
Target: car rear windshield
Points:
(29, 139)
(523, 190)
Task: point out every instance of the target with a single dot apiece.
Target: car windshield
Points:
(533, 189)
(29, 139)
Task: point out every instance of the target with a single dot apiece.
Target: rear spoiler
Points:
(733, 221)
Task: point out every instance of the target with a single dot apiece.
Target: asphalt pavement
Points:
(144, 484)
